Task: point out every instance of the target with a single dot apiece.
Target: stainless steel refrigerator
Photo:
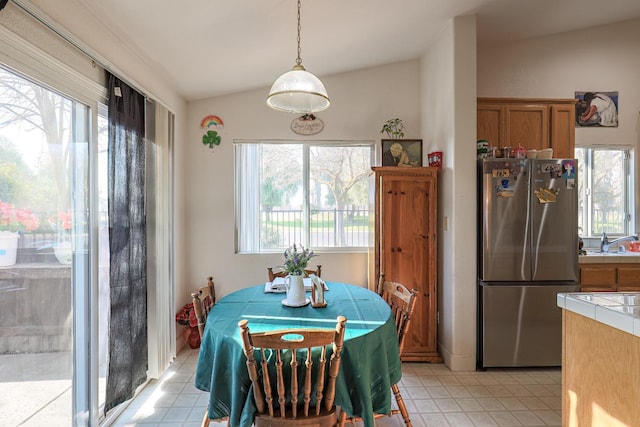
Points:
(527, 254)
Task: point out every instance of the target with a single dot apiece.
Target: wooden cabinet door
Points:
(407, 251)
(597, 278)
(628, 278)
(527, 126)
(490, 124)
(534, 123)
(563, 130)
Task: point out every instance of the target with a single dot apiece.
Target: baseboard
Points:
(466, 362)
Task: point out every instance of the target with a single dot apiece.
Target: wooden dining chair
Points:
(287, 354)
(274, 274)
(204, 298)
(402, 302)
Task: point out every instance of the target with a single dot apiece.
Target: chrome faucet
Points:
(605, 244)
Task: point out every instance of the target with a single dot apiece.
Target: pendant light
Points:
(298, 91)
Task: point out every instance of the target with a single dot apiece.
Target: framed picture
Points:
(597, 109)
(402, 152)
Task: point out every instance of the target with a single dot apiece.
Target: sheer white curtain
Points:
(248, 196)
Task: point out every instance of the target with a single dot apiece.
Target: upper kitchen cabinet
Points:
(533, 123)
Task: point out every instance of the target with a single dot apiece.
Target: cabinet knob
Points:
(393, 249)
(399, 249)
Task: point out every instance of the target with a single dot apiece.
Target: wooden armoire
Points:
(406, 248)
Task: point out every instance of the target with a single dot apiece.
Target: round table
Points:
(370, 356)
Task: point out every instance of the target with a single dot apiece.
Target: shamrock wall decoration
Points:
(211, 138)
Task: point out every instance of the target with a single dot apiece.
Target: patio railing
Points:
(327, 228)
(611, 221)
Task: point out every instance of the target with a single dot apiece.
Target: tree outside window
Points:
(604, 197)
(310, 193)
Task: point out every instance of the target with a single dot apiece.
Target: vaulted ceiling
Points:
(206, 48)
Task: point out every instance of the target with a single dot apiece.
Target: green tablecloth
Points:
(370, 356)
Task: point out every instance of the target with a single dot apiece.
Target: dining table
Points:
(370, 358)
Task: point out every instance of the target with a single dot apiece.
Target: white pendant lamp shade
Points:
(298, 91)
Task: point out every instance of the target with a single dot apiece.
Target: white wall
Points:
(448, 96)
(605, 58)
(360, 103)
(464, 196)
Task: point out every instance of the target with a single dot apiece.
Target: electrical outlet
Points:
(445, 223)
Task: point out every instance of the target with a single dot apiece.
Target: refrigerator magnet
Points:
(546, 195)
(505, 193)
(503, 190)
(568, 169)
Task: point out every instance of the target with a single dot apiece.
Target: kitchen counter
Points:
(616, 309)
(600, 358)
(610, 258)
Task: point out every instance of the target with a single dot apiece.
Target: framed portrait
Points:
(596, 109)
(402, 152)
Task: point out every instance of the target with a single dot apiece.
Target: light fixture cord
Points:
(299, 60)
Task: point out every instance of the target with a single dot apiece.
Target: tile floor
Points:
(434, 395)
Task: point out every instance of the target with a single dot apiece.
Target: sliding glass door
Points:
(54, 230)
(45, 287)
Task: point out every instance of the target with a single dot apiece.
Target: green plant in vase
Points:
(394, 128)
(295, 261)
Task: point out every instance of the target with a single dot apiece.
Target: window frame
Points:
(250, 244)
(628, 193)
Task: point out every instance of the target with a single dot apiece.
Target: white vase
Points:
(295, 290)
(8, 248)
(63, 252)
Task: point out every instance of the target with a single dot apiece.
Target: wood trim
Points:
(525, 101)
(406, 171)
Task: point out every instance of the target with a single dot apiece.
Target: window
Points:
(604, 197)
(312, 193)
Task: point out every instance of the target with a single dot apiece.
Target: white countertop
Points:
(610, 258)
(620, 310)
